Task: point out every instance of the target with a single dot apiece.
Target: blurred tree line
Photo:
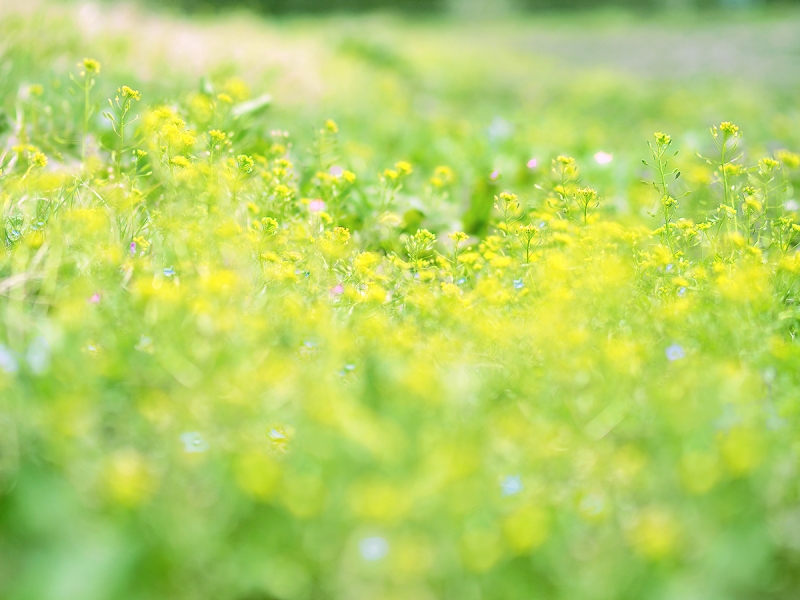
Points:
(462, 6)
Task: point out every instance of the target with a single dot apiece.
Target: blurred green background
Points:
(478, 95)
(483, 97)
(467, 6)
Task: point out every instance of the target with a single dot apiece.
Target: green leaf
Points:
(251, 107)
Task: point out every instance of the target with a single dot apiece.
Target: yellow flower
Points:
(39, 160)
(217, 135)
(751, 204)
(180, 161)
(767, 165)
(442, 176)
(129, 94)
(128, 478)
(501, 262)
(728, 129)
(662, 139)
(245, 163)
(90, 65)
(342, 234)
(257, 475)
(404, 167)
(654, 534)
(733, 170)
(526, 528)
(789, 159)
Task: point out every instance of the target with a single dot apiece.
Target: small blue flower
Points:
(499, 129)
(669, 268)
(519, 284)
(373, 548)
(348, 368)
(7, 361)
(675, 352)
(38, 355)
(682, 292)
(144, 343)
(193, 442)
(276, 435)
(511, 485)
(592, 504)
(461, 281)
(169, 272)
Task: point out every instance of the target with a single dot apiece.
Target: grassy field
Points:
(374, 308)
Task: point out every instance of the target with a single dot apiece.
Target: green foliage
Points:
(238, 364)
(282, 7)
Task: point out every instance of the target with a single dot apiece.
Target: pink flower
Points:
(494, 175)
(336, 170)
(316, 206)
(339, 289)
(603, 158)
(95, 299)
(533, 163)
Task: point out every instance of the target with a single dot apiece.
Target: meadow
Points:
(345, 308)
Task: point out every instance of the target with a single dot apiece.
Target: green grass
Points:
(411, 326)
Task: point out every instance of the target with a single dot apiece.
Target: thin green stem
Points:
(85, 121)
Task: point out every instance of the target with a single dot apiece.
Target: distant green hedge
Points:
(319, 6)
(313, 6)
